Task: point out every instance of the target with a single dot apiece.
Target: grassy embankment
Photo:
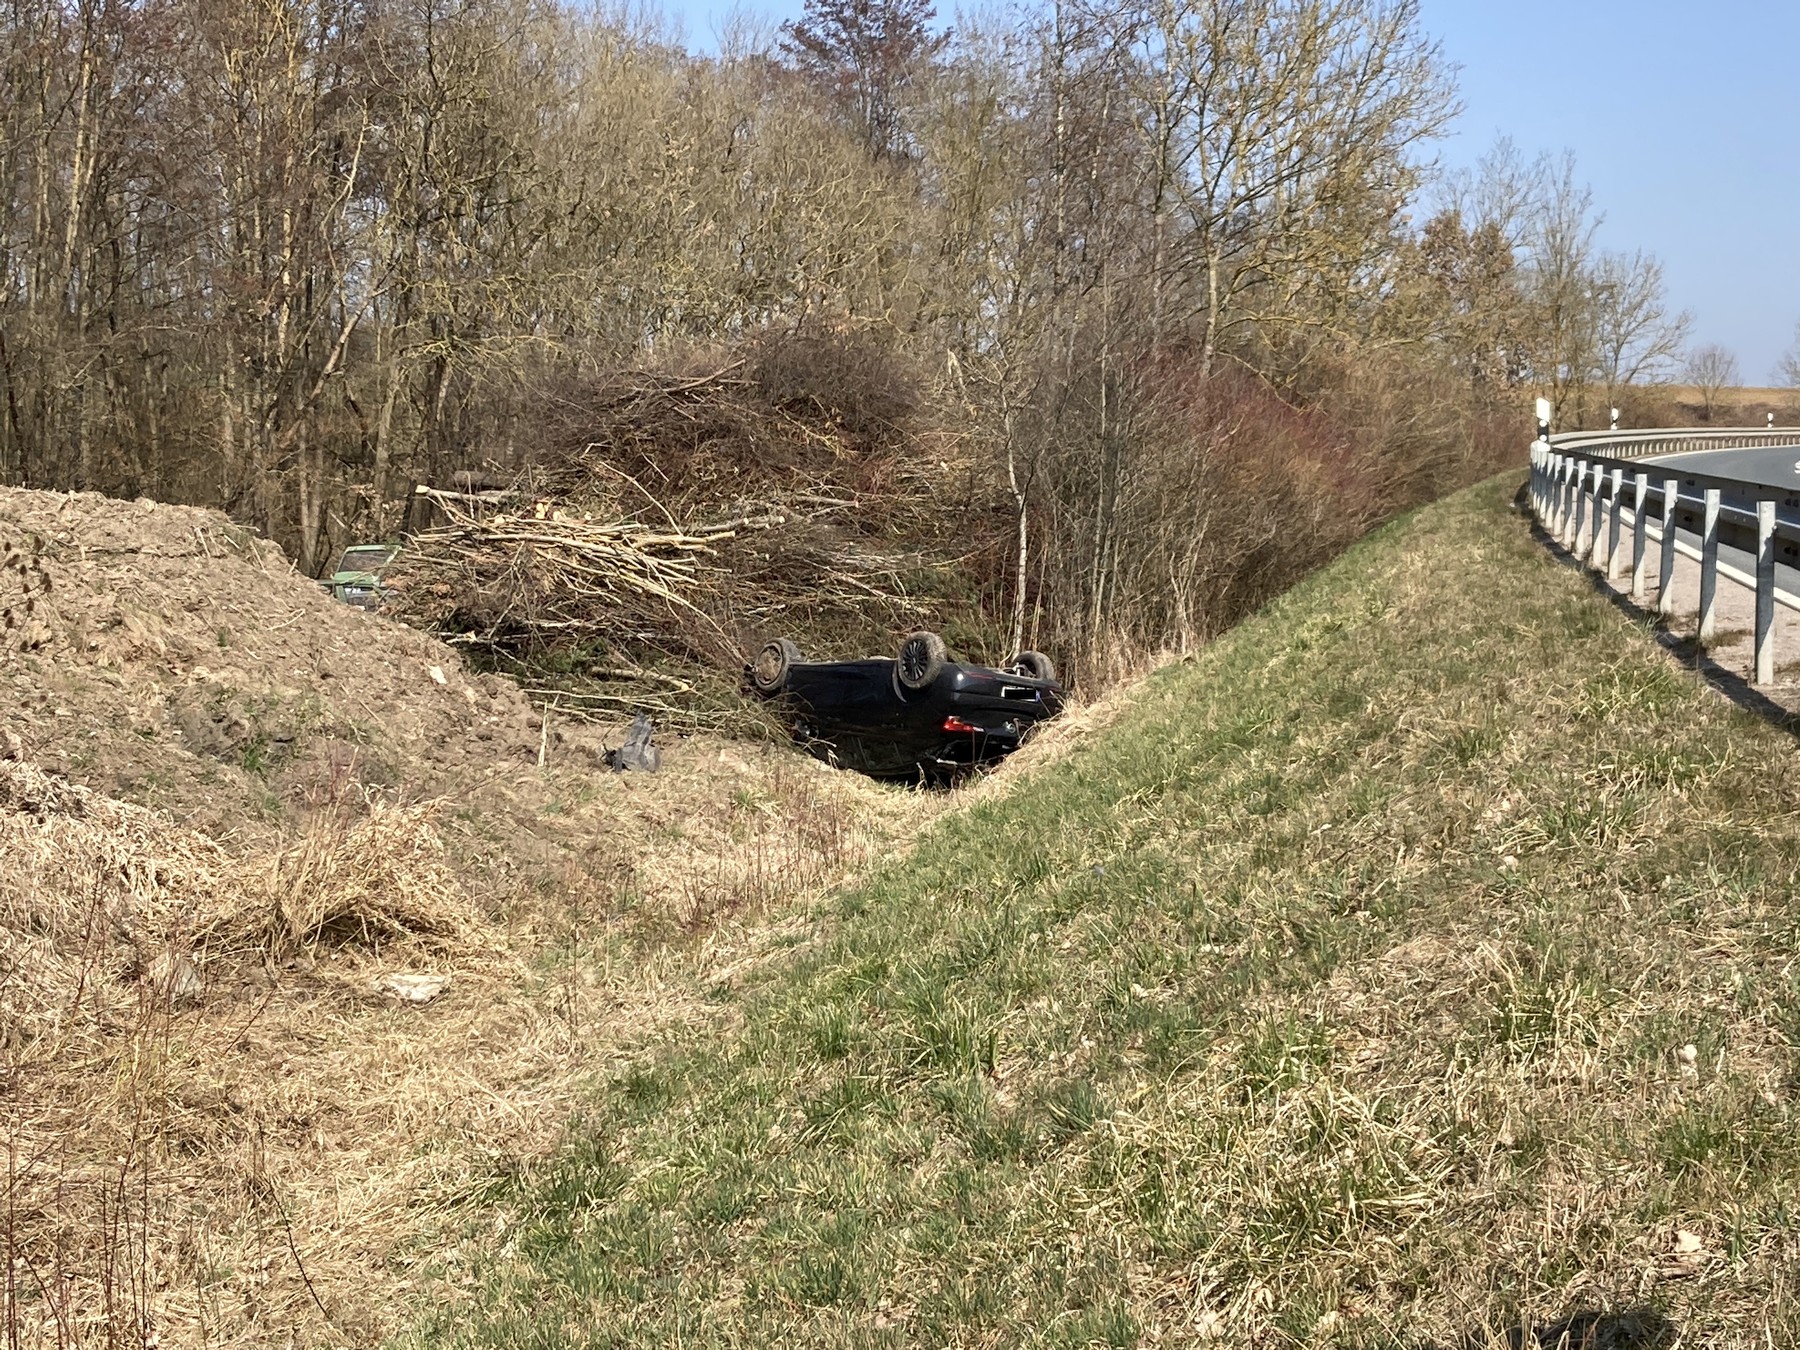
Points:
(1339, 994)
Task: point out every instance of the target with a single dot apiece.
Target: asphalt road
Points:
(1786, 578)
(1772, 466)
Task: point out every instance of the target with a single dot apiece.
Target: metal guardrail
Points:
(1678, 441)
(1579, 477)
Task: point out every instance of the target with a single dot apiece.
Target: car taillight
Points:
(957, 724)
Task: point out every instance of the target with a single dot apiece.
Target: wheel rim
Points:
(912, 662)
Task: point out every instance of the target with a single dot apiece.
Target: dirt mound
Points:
(165, 655)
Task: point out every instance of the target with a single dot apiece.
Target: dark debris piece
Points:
(637, 754)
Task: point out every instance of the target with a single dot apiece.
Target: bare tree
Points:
(1559, 247)
(1280, 133)
(1459, 287)
(1711, 369)
(1787, 369)
(1636, 338)
(866, 53)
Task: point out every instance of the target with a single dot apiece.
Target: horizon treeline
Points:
(1178, 276)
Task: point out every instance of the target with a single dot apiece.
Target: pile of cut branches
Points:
(687, 514)
(551, 577)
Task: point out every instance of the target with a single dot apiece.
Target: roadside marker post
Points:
(1765, 592)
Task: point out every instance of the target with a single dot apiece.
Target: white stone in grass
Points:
(1689, 1059)
(175, 978)
(1687, 1255)
(411, 988)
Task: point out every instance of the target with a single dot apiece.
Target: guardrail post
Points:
(1709, 567)
(1612, 528)
(1665, 583)
(1559, 508)
(1765, 592)
(1578, 516)
(1640, 534)
(1590, 548)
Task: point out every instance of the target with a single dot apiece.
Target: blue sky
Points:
(1684, 117)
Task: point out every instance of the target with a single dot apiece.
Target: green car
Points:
(357, 580)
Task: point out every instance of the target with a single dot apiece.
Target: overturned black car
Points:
(918, 716)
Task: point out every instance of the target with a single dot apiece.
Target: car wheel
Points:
(923, 657)
(1033, 666)
(769, 671)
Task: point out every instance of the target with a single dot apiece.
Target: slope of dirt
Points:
(232, 813)
(163, 654)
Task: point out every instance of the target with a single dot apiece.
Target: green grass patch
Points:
(1337, 995)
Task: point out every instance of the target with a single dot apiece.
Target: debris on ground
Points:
(411, 988)
(637, 753)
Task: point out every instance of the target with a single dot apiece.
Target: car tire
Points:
(922, 659)
(769, 671)
(1033, 666)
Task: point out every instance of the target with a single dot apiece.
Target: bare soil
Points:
(173, 659)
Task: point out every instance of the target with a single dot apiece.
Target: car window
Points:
(365, 559)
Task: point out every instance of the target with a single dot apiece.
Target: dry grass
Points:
(221, 1131)
(351, 880)
(142, 1169)
(1748, 393)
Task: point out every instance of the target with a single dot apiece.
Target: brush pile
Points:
(376, 879)
(687, 514)
(554, 578)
